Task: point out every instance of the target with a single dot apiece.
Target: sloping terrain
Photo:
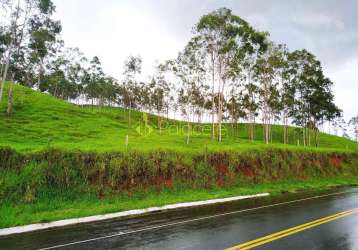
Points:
(39, 121)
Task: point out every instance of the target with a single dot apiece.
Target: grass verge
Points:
(65, 206)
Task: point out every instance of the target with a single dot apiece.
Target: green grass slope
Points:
(40, 120)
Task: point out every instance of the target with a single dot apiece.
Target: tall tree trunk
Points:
(159, 123)
(14, 45)
(269, 129)
(129, 114)
(10, 97)
(221, 106)
(284, 129)
(40, 74)
(220, 118)
(2, 70)
(284, 133)
(265, 125)
(167, 111)
(55, 92)
(266, 111)
(248, 125)
(188, 134)
(213, 98)
(232, 120)
(4, 76)
(252, 135)
(267, 133)
(252, 126)
(287, 133)
(263, 131)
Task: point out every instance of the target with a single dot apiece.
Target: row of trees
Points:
(252, 77)
(227, 72)
(353, 125)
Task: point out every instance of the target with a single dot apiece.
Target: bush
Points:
(24, 177)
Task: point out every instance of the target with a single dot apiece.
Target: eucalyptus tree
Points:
(18, 25)
(279, 91)
(108, 90)
(159, 92)
(94, 75)
(184, 98)
(337, 124)
(5, 40)
(228, 39)
(54, 81)
(145, 95)
(208, 40)
(195, 64)
(251, 106)
(321, 105)
(199, 100)
(189, 68)
(57, 84)
(235, 108)
(211, 31)
(64, 73)
(314, 101)
(16, 35)
(303, 65)
(287, 88)
(43, 36)
(266, 71)
(354, 124)
(20, 15)
(342, 125)
(214, 29)
(54, 62)
(132, 68)
(76, 69)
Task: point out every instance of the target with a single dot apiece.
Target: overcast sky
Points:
(158, 29)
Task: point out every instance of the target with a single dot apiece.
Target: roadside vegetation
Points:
(63, 205)
(56, 185)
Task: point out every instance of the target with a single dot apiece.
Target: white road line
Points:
(188, 221)
(124, 214)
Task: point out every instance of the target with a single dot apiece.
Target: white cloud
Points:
(128, 31)
(346, 87)
(115, 31)
(319, 20)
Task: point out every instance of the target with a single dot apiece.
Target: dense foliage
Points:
(24, 178)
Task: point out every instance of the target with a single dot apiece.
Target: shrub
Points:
(24, 177)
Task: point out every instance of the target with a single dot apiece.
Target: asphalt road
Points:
(310, 220)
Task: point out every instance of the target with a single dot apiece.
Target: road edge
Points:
(96, 218)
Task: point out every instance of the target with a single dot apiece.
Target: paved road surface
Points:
(219, 227)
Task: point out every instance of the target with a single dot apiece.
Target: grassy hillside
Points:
(40, 120)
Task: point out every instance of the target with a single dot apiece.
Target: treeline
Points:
(227, 72)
